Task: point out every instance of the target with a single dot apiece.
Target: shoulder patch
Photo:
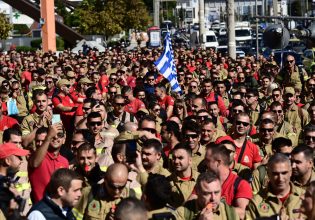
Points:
(264, 207)
(94, 206)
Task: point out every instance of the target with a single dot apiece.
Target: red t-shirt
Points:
(212, 98)
(40, 176)
(7, 122)
(66, 117)
(251, 154)
(166, 101)
(131, 81)
(243, 191)
(134, 106)
(75, 96)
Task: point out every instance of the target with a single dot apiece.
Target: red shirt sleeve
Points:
(140, 104)
(56, 101)
(170, 101)
(221, 106)
(256, 155)
(244, 190)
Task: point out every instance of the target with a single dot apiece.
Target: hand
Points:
(283, 214)
(146, 134)
(206, 214)
(54, 130)
(137, 166)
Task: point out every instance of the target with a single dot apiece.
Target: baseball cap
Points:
(224, 138)
(289, 90)
(70, 74)
(63, 82)
(85, 80)
(9, 149)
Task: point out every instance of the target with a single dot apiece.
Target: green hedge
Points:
(25, 49)
(60, 44)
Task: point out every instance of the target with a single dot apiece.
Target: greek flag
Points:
(165, 64)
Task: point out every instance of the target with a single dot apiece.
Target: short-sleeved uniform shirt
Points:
(134, 106)
(251, 154)
(166, 101)
(40, 176)
(243, 190)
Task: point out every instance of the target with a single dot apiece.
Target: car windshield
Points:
(211, 39)
(242, 33)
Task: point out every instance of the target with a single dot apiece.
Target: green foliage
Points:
(59, 43)
(110, 17)
(5, 26)
(25, 49)
(21, 29)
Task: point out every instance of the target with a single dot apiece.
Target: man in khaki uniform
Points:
(302, 166)
(208, 204)
(253, 104)
(183, 178)
(209, 133)
(283, 127)
(99, 202)
(41, 117)
(150, 161)
(296, 116)
(281, 197)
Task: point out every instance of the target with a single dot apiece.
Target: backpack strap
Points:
(242, 151)
(236, 184)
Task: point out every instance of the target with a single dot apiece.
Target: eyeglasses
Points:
(242, 123)
(49, 82)
(113, 93)
(311, 85)
(95, 123)
(188, 78)
(249, 96)
(120, 104)
(266, 130)
(193, 87)
(277, 111)
(157, 110)
(150, 80)
(193, 136)
(68, 86)
(276, 95)
(179, 107)
(290, 61)
(112, 79)
(86, 108)
(152, 130)
(241, 78)
(309, 138)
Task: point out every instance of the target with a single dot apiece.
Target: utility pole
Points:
(201, 23)
(257, 42)
(156, 9)
(231, 29)
(275, 7)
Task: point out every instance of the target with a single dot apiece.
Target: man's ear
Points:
(61, 191)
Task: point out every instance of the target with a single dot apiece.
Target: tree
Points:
(5, 26)
(110, 17)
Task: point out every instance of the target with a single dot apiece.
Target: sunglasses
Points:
(188, 78)
(290, 61)
(49, 82)
(249, 96)
(242, 123)
(277, 111)
(309, 138)
(60, 135)
(157, 110)
(267, 130)
(113, 93)
(112, 79)
(150, 80)
(95, 123)
(193, 136)
(120, 104)
(152, 130)
(193, 87)
(68, 86)
(237, 111)
(179, 107)
(86, 108)
(276, 95)
(114, 187)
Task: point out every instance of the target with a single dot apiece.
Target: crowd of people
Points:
(101, 136)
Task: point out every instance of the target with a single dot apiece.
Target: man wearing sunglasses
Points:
(45, 160)
(99, 201)
(247, 153)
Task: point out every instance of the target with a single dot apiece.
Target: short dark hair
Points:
(89, 92)
(181, 146)
(220, 152)
(93, 115)
(61, 177)
(128, 208)
(10, 131)
(158, 190)
(126, 89)
(153, 143)
(207, 177)
(191, 126)
(118, 148)
(87, 135)
(85, 147)
(306, 150)
(41, 130)
(172, 126)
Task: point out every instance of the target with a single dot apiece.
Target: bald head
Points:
(117, 172)
(130, 126)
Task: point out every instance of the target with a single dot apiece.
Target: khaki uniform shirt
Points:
(292, 116)
(296, 183)
(142, 178)
(260, 179)
(194, 212)
(30, 121)
(255, 114)
(226, 100)
(181, 189)
(21, 105)
(286, 129)
(159, 211)
(218, 133)
(198, 157)
(266, 204)
(92, 208)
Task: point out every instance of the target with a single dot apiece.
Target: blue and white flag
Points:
(165, 64)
